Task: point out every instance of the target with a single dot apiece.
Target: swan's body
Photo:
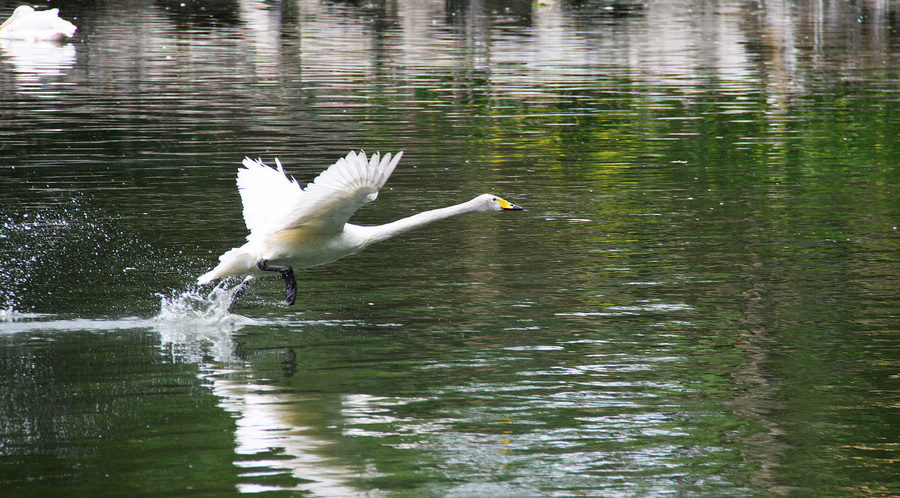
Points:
(25, 23)
(300, 228)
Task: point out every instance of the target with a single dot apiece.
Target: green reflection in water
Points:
(700, 298)
(86, 413)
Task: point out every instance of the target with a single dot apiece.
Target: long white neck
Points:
(383, 232)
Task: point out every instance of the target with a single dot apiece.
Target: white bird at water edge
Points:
(292, 227)
(28, 24)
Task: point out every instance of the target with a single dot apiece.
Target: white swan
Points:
(25, 23)
(299, 228)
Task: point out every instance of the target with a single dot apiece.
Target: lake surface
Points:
(700, 298)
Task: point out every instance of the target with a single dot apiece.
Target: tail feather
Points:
(234, 262)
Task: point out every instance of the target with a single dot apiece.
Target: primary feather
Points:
(339, 191)
(274, 202)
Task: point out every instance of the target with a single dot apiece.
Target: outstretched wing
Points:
(267, 195)
(274, 202)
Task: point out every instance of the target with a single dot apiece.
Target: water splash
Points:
(10, 314)
(194, 305)
(194, 325)
(69, 245)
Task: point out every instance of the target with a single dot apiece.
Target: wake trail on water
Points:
(182, 314)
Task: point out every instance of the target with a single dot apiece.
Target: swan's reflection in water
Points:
(269, 445)
(274, 451)
(31, 62)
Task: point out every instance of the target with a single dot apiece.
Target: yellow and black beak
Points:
(508, 206)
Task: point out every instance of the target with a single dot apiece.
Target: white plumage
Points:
(25, 23)
(273, 202)
(299, 228)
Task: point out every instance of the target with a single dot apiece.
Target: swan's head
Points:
(490, 202)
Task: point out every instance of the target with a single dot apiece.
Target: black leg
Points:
(238, 293)
(287, 273)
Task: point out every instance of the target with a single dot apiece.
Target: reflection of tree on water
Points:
(758, 399)
(201, 13)
(526, 91)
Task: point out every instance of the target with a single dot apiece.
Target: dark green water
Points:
(700, 299)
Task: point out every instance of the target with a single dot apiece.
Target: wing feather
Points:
(274, 202)
(266, 193)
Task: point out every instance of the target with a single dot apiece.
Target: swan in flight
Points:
(292, 227)
(25, 23)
